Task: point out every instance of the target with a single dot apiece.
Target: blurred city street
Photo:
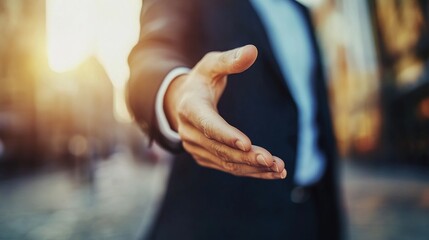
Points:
(119, 201)
(390, 203)
(115, 203)
(75, 165)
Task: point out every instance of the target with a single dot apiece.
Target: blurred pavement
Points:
(116, 204)
(121, 198)
(386, 204)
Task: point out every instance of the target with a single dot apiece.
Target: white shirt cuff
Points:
(163, 124)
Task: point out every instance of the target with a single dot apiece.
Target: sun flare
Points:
(104, 29)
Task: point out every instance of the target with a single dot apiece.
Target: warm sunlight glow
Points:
(106, 29)
(70, 32)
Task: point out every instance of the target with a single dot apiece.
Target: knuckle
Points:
(220, 152)
(230, 167)
(246, 159)
(222, 61)
(205, 127)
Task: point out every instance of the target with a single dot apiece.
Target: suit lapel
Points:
(249, 23)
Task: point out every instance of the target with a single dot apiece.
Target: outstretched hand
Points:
(191, 108)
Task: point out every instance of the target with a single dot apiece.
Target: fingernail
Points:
(240, 145)
(261, 160)
(237, 53)
(283, 174)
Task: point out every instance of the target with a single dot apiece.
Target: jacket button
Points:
(299, 195)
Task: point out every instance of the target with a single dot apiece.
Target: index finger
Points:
(213, 126)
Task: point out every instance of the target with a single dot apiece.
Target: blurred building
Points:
(347, 42)
(21, 24)
(75, 119)
(376, 59)
(49, 118)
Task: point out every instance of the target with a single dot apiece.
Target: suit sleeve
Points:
(169, 39)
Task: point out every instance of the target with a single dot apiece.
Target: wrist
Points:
(171, 99)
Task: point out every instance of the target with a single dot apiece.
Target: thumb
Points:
(229, 62)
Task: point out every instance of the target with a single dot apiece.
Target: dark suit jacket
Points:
(201, 203)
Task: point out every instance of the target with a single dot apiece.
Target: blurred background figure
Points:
(73, 166)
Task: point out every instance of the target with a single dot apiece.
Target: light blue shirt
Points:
(291, 43)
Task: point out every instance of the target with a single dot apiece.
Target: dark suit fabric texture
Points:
(201, 203)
